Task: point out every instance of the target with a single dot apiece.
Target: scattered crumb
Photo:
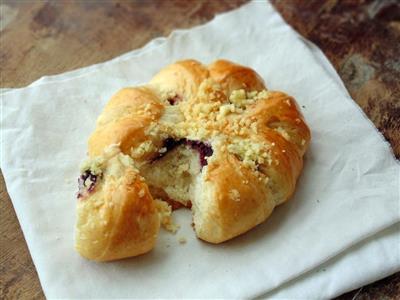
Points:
(182, 240)
(165, 213)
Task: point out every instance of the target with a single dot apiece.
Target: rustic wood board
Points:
(38, 38)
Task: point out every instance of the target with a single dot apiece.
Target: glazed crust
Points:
(233, 196)
(231, 216)
(117, 221)
(125, 120)
(182, 78)
(234, 77)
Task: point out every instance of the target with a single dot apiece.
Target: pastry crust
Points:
(119, 218)
(125, 120)
(252, 140)
(234, 77)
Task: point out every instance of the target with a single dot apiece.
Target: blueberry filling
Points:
(174, 100)
(86, 182)
(204, 149)
(170, 143)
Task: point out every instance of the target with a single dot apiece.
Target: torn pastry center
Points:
(173, 175)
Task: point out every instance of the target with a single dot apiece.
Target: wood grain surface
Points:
(37, 38)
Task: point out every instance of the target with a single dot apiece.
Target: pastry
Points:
(210, 138)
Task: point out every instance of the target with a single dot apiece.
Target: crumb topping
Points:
(211, 121)
(212, 114)
(250, 152)
(234, 195)
(142, 149)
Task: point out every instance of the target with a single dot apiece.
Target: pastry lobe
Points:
(126, 120)
(116, 214)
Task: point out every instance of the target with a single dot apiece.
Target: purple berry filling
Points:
(174, 100)
(204, 149)
(170, 143)
(83, 188)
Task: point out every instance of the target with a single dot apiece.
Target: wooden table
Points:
(360, 37)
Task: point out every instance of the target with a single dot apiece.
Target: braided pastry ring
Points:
(211, 138)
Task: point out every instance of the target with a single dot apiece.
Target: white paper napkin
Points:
(366, 262)
(347, 193)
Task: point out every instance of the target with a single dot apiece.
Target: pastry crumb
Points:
(165, 213)
(234, 195)
(182, 240)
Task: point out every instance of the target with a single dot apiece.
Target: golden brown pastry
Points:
(117, 216)
(211, 138)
